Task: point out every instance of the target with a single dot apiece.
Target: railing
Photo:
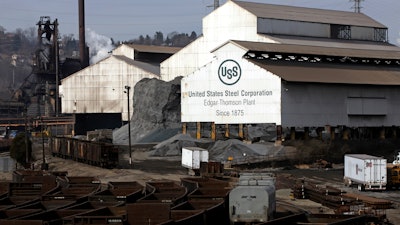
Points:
(48, 121)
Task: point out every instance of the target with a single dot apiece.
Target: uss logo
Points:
(229, 72)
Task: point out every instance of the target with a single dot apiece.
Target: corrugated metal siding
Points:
(124, 50)
(309, 14)
(187, 60)
(309, 29)
(155, 49)
(100, 88)
(142, 65)
(340, 74)
(284, 27)
(367, 106)
(362, 33)
(313, 104)
(128, 50)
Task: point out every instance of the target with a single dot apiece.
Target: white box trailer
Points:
(193, 156)
(366, 171)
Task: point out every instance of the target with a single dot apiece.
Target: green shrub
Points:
(18, 149)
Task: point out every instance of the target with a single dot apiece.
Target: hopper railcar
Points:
(94, 153)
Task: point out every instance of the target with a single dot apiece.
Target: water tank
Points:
(253, 199)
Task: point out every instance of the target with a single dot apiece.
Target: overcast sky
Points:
(127, 19)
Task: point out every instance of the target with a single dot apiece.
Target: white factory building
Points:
(257, 22)
(289, 66)
(98, 92)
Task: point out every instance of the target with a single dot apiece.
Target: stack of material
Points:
(325, 195)
(374, 203)
(338, 200)
(103, 134)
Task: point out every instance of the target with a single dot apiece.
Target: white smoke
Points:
(398, 40)
(99, 46)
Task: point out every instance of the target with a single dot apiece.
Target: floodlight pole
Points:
(129, 127)
(44, 165)
(26, 135)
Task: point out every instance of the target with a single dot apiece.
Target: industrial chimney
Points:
(83, 50)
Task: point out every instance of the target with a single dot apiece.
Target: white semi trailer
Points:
(192, 157)
(366, 171)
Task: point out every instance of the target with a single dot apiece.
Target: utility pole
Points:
(44, 164)
(27, 157)
(129, 126)
(357, 5)
(14, 65)
(56, 49)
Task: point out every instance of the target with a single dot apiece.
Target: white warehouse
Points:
(97, 93)
(289, 66)
(257, 22)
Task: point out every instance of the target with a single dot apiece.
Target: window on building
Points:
(380, 35)
(340, 31)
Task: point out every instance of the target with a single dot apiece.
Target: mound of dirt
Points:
(174, 145)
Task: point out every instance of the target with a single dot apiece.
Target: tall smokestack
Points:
(83, 52)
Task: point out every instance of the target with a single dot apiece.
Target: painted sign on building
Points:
(231, 91)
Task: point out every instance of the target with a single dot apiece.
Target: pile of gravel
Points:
(174, 145)
(222, 151)
(156, 115)
(156, 119)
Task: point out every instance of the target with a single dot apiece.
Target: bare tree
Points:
(158, 38)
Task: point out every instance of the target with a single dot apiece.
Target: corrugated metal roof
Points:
(378, 51)
(309, 14)
(155, 49)
(327, 73)
(155, 69)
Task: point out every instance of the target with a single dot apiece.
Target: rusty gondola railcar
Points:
(100, 154)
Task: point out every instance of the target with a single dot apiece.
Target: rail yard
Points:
(310, 78)
(160, 191)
